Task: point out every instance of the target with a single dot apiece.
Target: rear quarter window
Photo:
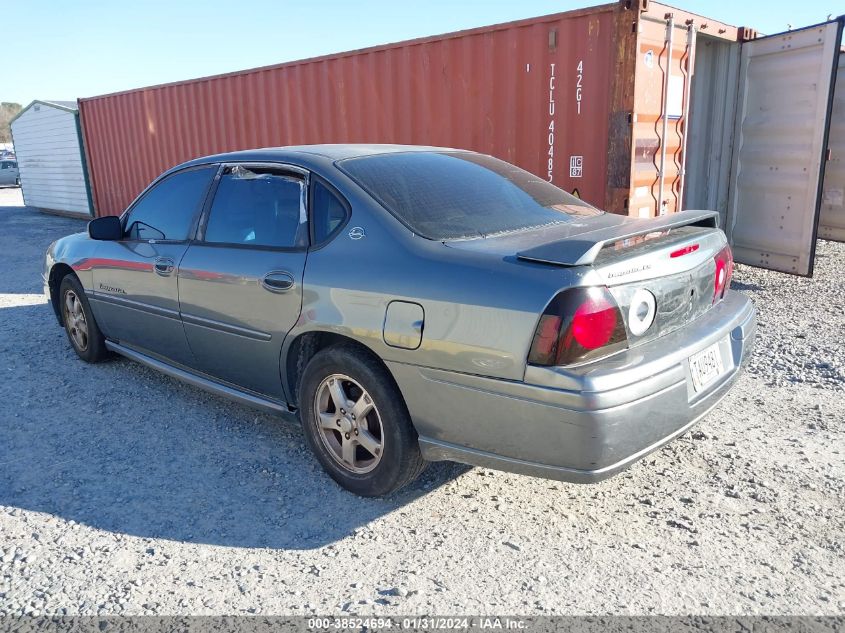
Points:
(328, 212)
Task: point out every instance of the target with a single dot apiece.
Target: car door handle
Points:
(163, 266)
(278, 281)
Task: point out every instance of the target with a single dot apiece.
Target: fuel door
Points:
(403, 324)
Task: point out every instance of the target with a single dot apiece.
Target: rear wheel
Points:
(356, 422)
(82, 330)
(17, 182)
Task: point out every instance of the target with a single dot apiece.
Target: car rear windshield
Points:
(455, 195)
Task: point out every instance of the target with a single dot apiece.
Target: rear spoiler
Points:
(582, 249)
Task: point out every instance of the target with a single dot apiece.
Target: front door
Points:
(240, 282)
(783, 110)
(135, 294)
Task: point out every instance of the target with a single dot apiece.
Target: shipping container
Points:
(604, 102)
(832, 217)
(48, 146)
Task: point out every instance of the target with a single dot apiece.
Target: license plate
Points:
(705, 367)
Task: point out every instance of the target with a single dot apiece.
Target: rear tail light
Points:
(578, 325)
(724, 269)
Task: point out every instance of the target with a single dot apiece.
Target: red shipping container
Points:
(578, 98)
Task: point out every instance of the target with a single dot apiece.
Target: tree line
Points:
(8, 111)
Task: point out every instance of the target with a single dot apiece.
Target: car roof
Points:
(299, 153)
(357, 150)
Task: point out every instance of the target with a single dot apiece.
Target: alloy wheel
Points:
(75, 321)
(349, 424)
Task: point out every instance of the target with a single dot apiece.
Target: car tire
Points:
(80, 326)
(374, 454)
(17, 182)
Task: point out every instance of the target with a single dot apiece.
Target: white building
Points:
(48, 146)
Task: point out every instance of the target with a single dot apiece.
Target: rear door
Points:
(783, 113)
(240, 282)
(832, 219)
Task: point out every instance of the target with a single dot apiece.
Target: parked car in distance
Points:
(9, 174)
(411, 304)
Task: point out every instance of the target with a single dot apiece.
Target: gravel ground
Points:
(125, 492)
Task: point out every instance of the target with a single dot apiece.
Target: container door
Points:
(664, 70)
(832, 219)
(783, 113)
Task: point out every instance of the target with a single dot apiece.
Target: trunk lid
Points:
(678, 269)
(671, 257)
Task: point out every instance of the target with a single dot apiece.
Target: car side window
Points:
(258, 206)
(4, 165)
(166, 211)
(327, 212)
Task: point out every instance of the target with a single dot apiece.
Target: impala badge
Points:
(356, 233)
(113, 289)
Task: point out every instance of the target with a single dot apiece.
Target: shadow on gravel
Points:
(125, 449)
(739, 285)
(122, 448)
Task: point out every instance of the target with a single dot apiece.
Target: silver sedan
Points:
(411, 304)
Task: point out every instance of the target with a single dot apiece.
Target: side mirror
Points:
(107, 227)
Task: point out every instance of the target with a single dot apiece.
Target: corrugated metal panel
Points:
(785, 84)
(712, 111)
(511, 91)
(637, 105)
(832, 218)
(657, 100)
(554, 95)
(653, 103)
(49, 156)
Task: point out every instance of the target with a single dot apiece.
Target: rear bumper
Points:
(580, 425)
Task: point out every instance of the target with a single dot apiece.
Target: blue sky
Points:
(63, 50)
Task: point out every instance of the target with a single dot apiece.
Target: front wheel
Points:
(82, 330)
(356, 422)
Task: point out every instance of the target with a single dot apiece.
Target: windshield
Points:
(454, 195)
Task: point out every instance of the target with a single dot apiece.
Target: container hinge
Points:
(639, 5)
(745, 33)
